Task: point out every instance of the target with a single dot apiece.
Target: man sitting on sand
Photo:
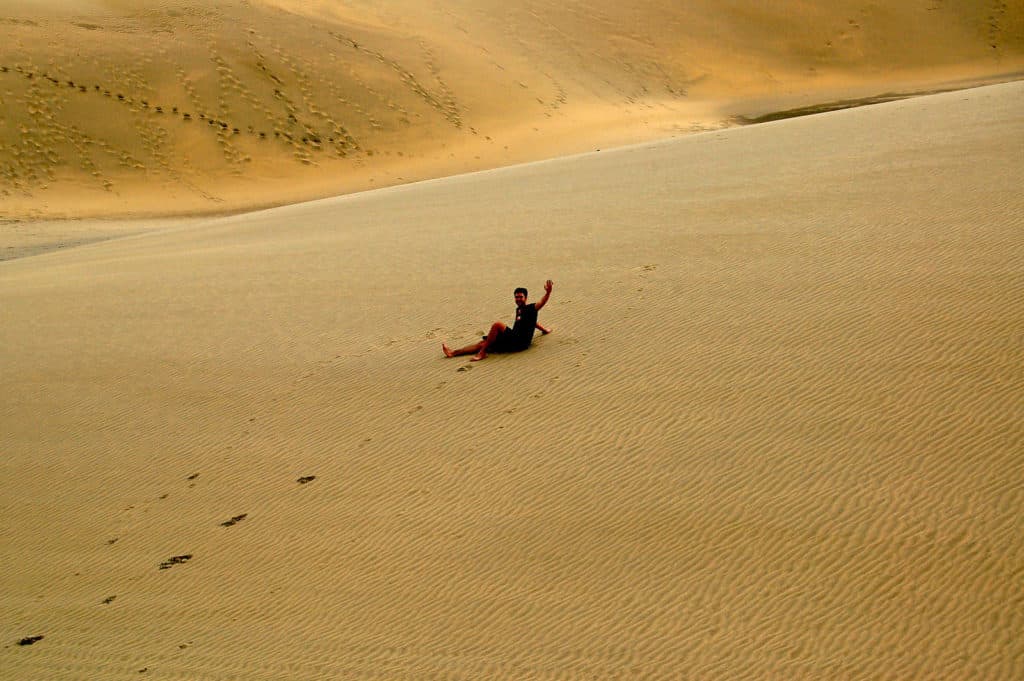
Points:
(503, 339)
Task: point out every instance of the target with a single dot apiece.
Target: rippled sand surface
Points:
(775, 433)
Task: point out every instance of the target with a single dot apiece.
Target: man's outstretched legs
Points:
(478, 350)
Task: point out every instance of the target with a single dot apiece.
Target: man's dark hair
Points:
(526, 294)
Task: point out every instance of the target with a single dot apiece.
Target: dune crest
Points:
(174, 107)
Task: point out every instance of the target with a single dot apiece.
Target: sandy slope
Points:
(174, 106)
(776, 433)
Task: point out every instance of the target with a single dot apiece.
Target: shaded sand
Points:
(23, 238)
(180, 106)
(776, 432)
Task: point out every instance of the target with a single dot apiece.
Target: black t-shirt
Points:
(526, 323)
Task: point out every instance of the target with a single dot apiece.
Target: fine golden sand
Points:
(165, 107)
(775, 434)
(777, 430)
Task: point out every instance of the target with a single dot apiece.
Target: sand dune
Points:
(175, 106)
(776, 432)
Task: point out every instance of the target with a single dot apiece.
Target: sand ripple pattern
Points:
(776, 432)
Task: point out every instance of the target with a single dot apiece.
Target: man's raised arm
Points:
(547, 294)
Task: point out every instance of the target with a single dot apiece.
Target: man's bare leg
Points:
(479, 350)
(496, 328)
(468, 350)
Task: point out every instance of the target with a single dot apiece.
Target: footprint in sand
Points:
(234, 520)
(306, 478)
(175, 560)
(29, 640)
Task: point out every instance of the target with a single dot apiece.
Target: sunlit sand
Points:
(774, 434)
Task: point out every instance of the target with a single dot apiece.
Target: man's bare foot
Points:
(447, 352)
(478, 356)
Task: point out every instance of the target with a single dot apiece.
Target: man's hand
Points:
(547, 294)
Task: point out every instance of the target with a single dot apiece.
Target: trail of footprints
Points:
(286, 99)
(445, 103)
(144, 103)
(995, 20)
(166, 564)
(35, 162)
(309, 138)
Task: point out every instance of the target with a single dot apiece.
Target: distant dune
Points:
(171, 107)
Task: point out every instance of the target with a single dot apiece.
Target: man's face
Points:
(520, 299)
